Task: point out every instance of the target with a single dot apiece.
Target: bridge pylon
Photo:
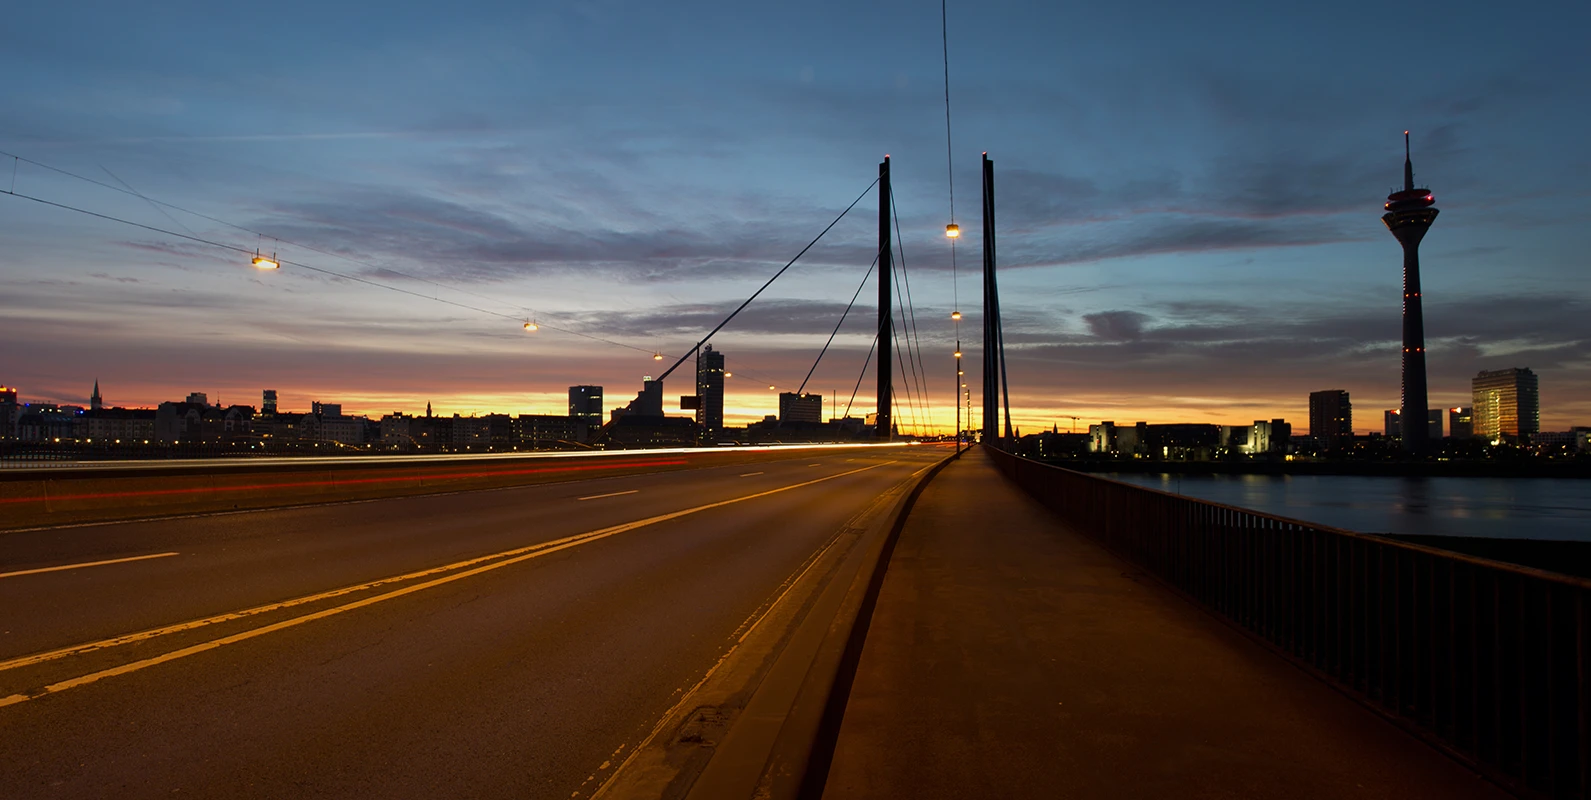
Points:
(886, 302)
(995, 387)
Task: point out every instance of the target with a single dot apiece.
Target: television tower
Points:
(1410, 213)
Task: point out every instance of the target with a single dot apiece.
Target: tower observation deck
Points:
(1409, 214)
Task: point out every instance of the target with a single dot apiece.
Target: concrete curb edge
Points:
(797, 764)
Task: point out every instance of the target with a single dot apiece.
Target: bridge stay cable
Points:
(836, 331)
(861, 375)
(911, 402)
(760, 290)
(915, 337)
(911, 365)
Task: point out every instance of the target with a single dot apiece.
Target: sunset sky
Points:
(1189, 198)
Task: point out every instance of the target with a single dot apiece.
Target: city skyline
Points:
(1182, 240)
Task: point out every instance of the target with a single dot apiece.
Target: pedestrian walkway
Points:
(1011, 658)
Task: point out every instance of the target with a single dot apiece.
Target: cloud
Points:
(1116, 326)
(443, 239)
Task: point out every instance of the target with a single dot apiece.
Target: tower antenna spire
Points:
(1408, 165)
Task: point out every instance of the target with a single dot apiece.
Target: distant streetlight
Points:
(956, 315)
(531, 327)
(657, 356)
(266, 263)
(953, 231)
(958, 354)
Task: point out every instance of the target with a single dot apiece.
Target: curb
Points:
(795, 762)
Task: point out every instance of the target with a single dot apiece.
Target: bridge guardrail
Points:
(1484, 659)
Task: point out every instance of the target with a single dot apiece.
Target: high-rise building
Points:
(1460, 423)
(800, 407)
(268, 402)
(1410, 213)
(1506, 404)
(1330, 417)
(1392, 423)
(585, 405)
(710, 392)
(1433, 425)
(95, 402)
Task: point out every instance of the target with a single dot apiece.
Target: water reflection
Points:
(1534, 508)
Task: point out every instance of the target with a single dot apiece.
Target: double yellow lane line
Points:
(448, 574)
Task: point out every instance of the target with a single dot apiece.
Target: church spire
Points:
(94, 400)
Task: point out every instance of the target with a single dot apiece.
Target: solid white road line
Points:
(514, 556)
(749, 474)
(82, 565)
(609, 494)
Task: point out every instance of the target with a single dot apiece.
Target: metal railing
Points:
(1485, 659)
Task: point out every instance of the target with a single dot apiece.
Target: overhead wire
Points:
(158, 203)
(950, 159)
(950, 177)
(313, 268)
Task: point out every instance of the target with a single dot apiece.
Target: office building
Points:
(268, 402)
(800, 407)
(1270, 436)
(1506, 403)
(585, 406)
(1460, 423)
(117, 424)
(1392, 423)
(1330, 417)
(538, 431)
(710, 392)
(647, 403)
(1410, 213)
(10, 410)
(1433, 425)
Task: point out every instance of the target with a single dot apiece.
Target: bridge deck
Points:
(1009, 657)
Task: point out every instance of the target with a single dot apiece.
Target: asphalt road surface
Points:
(502, 643)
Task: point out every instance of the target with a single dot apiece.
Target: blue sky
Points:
(1189, 198)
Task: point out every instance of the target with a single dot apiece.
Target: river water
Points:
(1526, 508)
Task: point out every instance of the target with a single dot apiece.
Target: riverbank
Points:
(1435, 469)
